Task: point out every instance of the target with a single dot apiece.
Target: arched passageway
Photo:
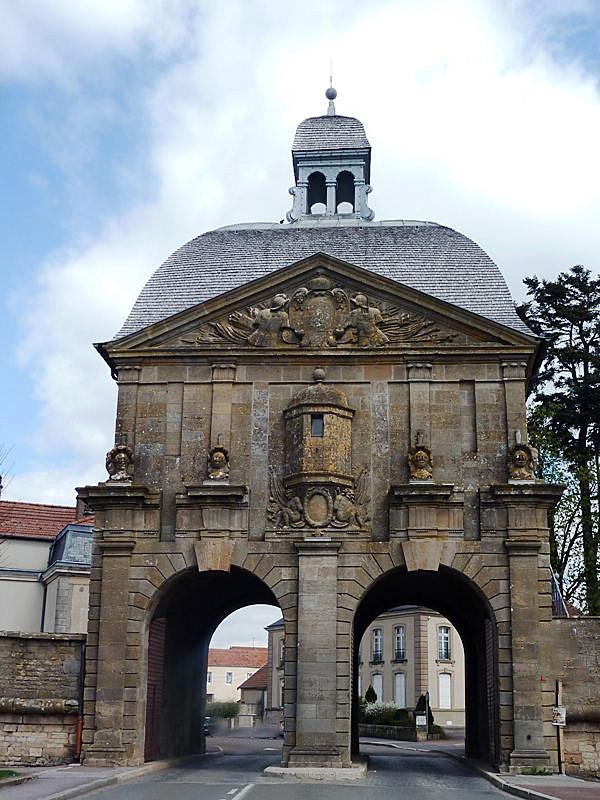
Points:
(459, 600)
(190, 608)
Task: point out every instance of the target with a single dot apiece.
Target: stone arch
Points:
(461, 599)
(179, 621)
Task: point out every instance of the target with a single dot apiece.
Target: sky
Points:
(130, 126)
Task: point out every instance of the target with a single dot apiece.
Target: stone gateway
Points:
(327, 416)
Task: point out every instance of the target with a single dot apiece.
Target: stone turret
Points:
(332, 165)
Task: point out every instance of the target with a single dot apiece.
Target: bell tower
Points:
(332, 167)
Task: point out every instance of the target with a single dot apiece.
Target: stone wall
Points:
(572, 655)
(40, 680)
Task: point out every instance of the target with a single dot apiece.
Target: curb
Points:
(123, 777)
(491, 777)
(18, 779)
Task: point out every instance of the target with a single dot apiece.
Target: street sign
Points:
(421, 720)
(559, 716)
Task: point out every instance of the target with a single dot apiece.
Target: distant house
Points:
(45, 554)
(253, 698)
(229, 668)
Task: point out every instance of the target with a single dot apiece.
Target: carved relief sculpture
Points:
(284, 508)
(218, 464)
(119, 463)
(350, 507)
(320, 315)
(420, 464)
(521, 463)
(362, 327)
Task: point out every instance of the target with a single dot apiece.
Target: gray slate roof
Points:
(423, 255)
(330, 133)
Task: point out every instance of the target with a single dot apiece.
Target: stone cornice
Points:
(125, 495)
(217, 493)
(527, 492)
(420, 492)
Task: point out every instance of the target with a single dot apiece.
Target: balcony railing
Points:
(377, 657)
(399, 655)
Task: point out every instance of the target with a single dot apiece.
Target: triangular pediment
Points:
(320, 303)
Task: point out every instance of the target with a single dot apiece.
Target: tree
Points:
(371, 695)
(566, 401)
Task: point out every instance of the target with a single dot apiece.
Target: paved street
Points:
(237, 773)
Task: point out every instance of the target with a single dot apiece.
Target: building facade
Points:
(230, 667)
(404, 653)
(327, 416)
(45, 557)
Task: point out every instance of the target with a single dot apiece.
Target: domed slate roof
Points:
(330, 132)
(428, 257)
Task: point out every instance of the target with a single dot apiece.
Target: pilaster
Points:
(316, 707)
(527, 508)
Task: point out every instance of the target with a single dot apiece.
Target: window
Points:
(359, 686)
(229, 677)
(444, 643)
(209, 677)
(281, 652)
(317, 425)
(445, 689)
(400, 643)
(377, 684)
(400, 689)
(377, 644)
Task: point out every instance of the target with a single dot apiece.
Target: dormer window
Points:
(317, 426)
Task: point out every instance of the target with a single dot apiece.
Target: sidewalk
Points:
(73, 780)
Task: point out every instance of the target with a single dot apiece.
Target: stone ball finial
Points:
(331, 93)
(319, 374)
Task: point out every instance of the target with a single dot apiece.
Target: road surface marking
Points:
(246, 790)
(233, 791)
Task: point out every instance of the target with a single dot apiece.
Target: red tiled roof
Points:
(33, 520)
(258, 680)
(89, 520)
(237, 656)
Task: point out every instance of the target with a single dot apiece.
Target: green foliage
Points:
(383, 714)
(225, 710)
(7, 773)
(371, 695)
(438, 731)
(565, 414)
(420, 709)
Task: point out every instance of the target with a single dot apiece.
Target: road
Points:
(236, 774)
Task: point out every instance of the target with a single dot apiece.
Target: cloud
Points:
(77, 40)
(473, 123)
(246, 627)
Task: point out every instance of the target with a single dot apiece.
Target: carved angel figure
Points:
(119, 463)
(351, 507)
(283, 509)
(270, 323)
(521, 463)
(362, 327)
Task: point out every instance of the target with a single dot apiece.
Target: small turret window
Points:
(317, 193)
(344, 193)
(317, 425)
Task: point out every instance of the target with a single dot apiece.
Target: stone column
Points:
(108, 747)
(527, 507)
(316, 707)
(331, 197)
(110, 728)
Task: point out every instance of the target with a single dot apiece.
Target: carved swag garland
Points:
(320, 315)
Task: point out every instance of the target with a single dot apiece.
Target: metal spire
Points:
(331, 93)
